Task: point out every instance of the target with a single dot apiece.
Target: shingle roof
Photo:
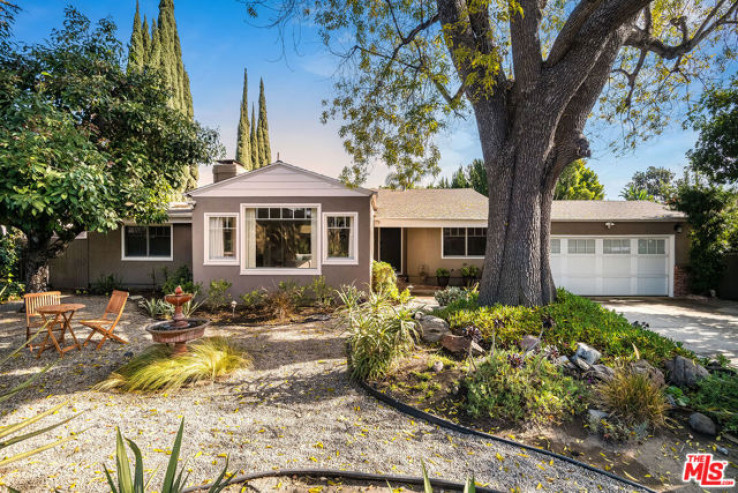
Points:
(431, 203)
(465, 204)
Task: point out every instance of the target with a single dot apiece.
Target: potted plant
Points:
(470, 273)
(442, 276)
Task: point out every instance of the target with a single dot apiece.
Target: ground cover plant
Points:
(155, 368)
(575, 319)
(510, 386)
(717, 395)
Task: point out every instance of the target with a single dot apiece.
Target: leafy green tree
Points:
(265, 148)
(473, 175)
(713, 216)
(86, 144)
(715, 117)
(531, 73)
(243, 139)
(579, 182)
(631, 192)
(656, 183)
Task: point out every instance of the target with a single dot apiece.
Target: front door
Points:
(390, 247)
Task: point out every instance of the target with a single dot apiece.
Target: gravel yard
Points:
(294, 409)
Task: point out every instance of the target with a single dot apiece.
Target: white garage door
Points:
(613, 266)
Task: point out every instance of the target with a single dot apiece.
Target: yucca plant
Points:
(469, 485)
(13, 434)
(156, 369)
(174, 481)
(379, 333)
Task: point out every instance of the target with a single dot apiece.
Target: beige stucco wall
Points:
(335, 275)
(423, 245)
(100, 255)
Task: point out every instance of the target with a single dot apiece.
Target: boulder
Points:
(529, 343)
(587, 353)
(580, 363)
(561, 361)
(433, 328)
(684, 372)
(601, 373)
(702, 424)
(643, 367)
(459, 344)
(594, 419)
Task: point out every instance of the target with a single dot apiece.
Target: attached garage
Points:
(614, 266)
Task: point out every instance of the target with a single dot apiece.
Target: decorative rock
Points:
(602, 373)
(643, 367)
(438, 366)
(561, 361)
(594, 419)
(587, 353)
(458, 344)
(433, 328)
(684, 372)
(529, 343)
(702, 424)
(580, 363)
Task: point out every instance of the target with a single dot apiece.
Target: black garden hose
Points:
(450, 425)
(350, 475)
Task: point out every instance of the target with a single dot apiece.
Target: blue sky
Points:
(218, 41)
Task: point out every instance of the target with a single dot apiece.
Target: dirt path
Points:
(295, 409)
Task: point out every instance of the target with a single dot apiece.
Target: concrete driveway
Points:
(707, 327)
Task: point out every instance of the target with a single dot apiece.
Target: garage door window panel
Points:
(651, 247)
(618, 246)
(581, 246)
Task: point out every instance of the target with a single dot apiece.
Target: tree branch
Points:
(526, 45)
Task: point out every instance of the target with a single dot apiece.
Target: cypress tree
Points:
(265, 149)
(146, 36)
(255, 163)
(154, 58)
(136, 51)
(243, 140)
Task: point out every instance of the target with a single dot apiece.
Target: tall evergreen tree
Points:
(146, 35)
(136, 50)
(255, 163)
(243, 142)
(154, 58)
(265, 148)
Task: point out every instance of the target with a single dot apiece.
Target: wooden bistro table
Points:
(62, 319)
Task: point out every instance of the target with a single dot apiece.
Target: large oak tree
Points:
(532, 73)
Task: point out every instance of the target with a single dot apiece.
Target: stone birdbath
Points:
(180, 330)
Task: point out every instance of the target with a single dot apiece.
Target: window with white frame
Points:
(580, 246)
(464, 242)
(619, 246)
(340, 240)
(280, 238)
(555, 246)
(147, 242)
(221, 240)
(651, 247)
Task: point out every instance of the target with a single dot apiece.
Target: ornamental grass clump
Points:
(380, 332)
(512, 387)
(156, 369)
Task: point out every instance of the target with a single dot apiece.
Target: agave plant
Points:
(174, 481)
(15, 433)
(469, 485)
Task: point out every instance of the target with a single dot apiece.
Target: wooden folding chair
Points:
(106, 324)
(34, 320)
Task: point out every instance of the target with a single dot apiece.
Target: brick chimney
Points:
(226, 168)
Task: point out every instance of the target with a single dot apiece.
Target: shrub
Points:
(156, 369)
(182, 277)
(512, 388)
(442, 272)
(218, 296)
(576, 319)
(254, 299)
(155, 307)
(323, 294)
(10, 254)
(718, 395)
(174, 482)
(470, 271)
(106, 284)
(379, 333)
(633, 399)
(451, 295)
(384, 278)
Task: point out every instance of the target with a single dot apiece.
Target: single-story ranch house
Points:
(282, 222)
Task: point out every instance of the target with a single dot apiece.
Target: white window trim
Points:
(466, 244)
(354, 258)
(618, 254)
(123, 257)
(271, 271)
(207, 260)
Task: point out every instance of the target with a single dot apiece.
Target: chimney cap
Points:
(228, 161)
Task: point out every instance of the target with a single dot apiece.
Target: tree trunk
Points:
(37, 251)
